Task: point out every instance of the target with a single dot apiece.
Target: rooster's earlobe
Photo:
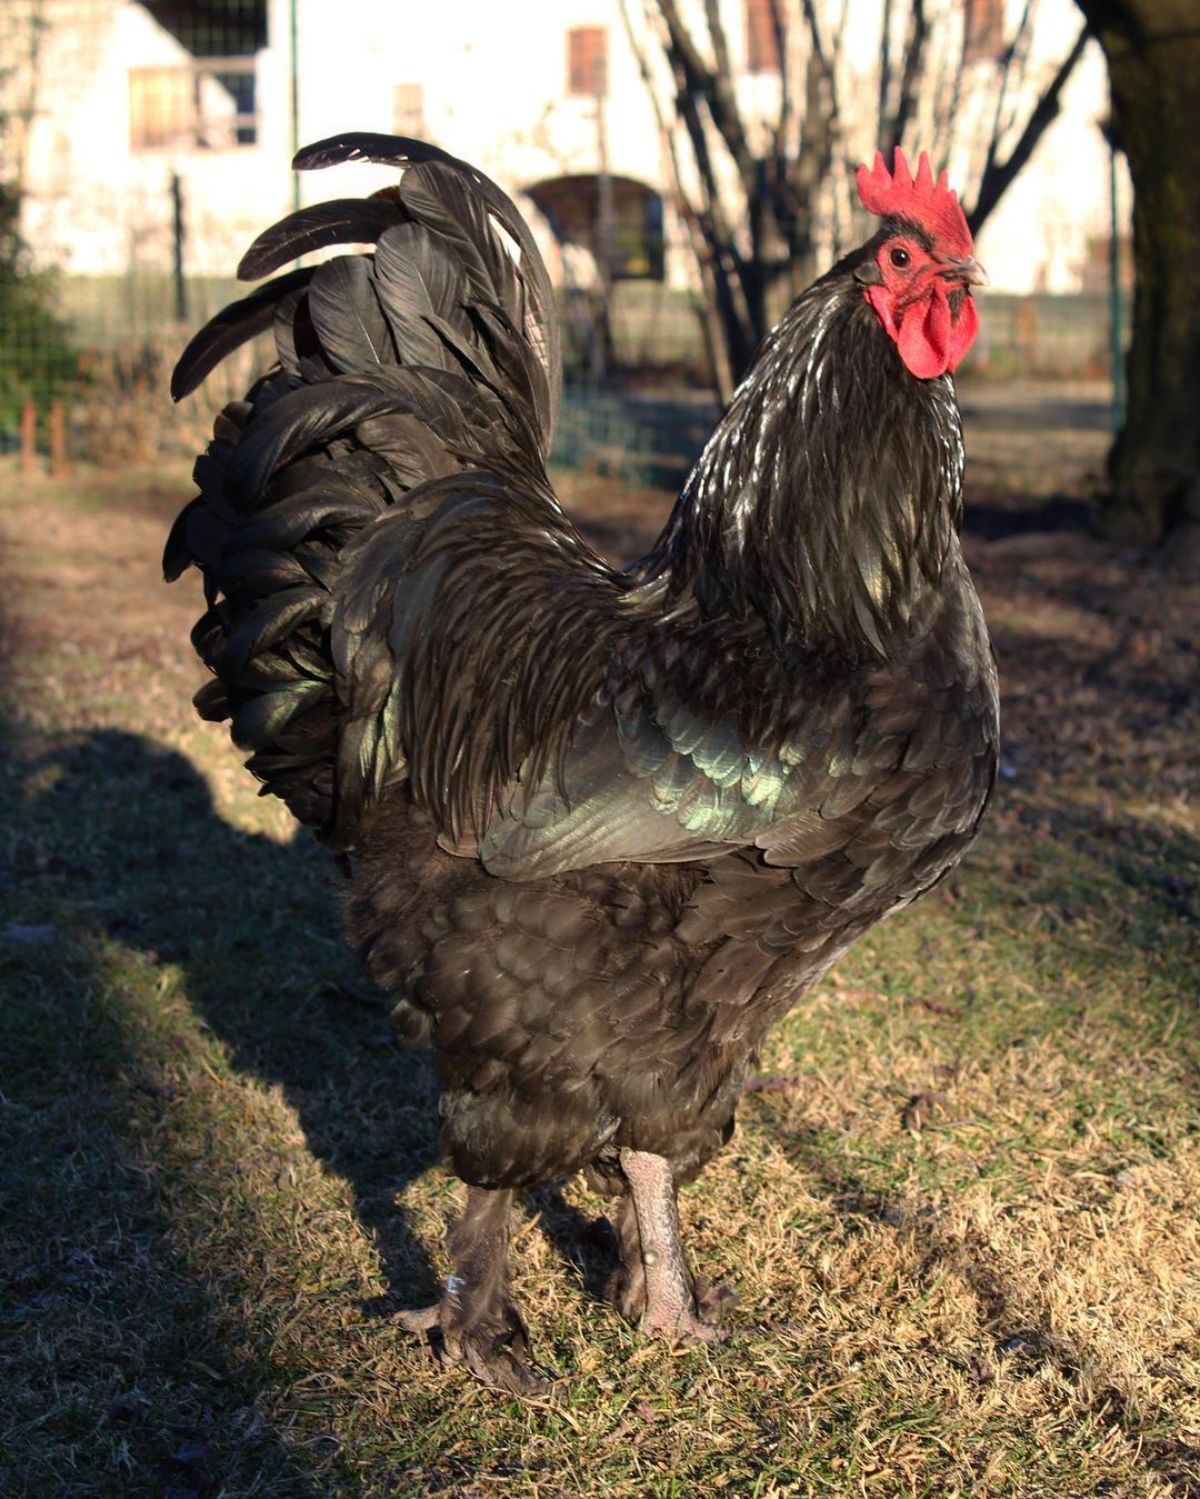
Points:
(869, 274)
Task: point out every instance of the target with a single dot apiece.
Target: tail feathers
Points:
(342, 221)
(455, 284)
(476, 193)
(230, 329)
(304, 418)
(434, 355)
(347, 320)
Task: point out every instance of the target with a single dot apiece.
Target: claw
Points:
(422, 1319)
(501, 1359)
(713, 1301)
(686, 1325)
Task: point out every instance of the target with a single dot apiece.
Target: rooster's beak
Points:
(968, 271)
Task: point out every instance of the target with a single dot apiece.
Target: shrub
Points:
(36, 356)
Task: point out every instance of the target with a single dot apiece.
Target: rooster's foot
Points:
(678, 1329)
(626, 1290)
(697, 1317)
(653, 1282)
(475, 1323)
(494, 1348)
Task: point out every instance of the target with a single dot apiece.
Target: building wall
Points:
(494, 92)
(94, 205)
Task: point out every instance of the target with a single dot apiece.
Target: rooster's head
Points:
(920, 277)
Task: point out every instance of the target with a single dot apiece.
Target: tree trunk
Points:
(1153, 52)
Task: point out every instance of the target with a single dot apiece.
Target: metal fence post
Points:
(181, 307)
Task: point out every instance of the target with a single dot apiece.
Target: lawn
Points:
(962, 1209)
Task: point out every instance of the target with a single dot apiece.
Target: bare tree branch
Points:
(706, 304)
(783, 126)
(947, 94)
(734, 282)
(998, 175)
(666, 137)
(885, 66)
(754, 213)
(720, 43)
(1006, 70)
(801, 187)
(715, 87)
(910, 78)
(814, 31)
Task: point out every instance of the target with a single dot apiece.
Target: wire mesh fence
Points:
(143, 145)
(118, 124)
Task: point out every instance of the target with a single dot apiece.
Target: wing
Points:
(469, 637)
(865, 781)
(662, 768)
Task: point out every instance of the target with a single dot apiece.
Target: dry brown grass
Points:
(961, 1211)
(119, 412)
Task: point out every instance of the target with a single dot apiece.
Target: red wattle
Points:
(930, 341)
(924, 341)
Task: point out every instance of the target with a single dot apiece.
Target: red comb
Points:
(932, 205)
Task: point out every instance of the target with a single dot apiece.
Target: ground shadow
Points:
(587, 1246)
(127, 1379)
(252, 924)
(127, 835)
(995, 517)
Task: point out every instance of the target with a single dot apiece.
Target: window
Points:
(762, 39)
(160, 107)
(203, 104)
(587, 62)
(408, 109)
(983, 30)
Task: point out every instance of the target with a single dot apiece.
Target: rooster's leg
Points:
(626, 1287)
(475, 1322)
(674, 1303)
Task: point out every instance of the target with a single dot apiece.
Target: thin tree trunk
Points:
(1153, 51)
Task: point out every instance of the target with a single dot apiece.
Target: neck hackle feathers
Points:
(933, 205)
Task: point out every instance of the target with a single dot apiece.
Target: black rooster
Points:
(602, 827)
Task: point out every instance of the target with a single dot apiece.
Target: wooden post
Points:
(58, 441)
(28, 439)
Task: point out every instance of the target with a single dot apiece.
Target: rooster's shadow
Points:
(251, 925)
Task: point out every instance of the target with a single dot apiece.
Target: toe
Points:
(503, 1363)
(713, 1301)
(496, 1350)
(687, 1326)
(627, 1293)
(422, 1319)
(700, 1331)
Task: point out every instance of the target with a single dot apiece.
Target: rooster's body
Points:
(603, 827)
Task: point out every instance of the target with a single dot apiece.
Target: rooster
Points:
(601, 827)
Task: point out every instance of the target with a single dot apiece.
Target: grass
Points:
(961, 1209)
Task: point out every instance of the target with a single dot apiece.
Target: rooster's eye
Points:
(899, 257)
